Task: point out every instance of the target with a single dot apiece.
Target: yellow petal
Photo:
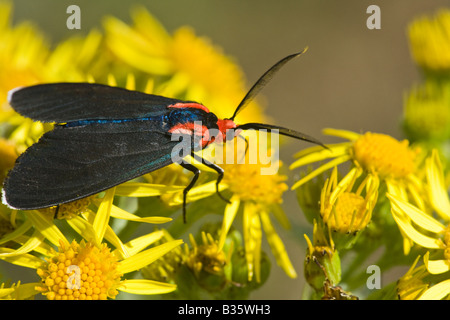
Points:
(252, 241)
(24, 227)
(44, 224)
(34, 241)
(435, 266)
(437, 292)
(230, 213)
(136, 189)
(281, 216)
(83, 228)
(23, 260)
(21, 292)
(321, 169)
(42, 248)
(146, 257)
(322, 154)
(110, 235)
(132, 48)
(277, 246)
(149, 26)
(420, 218)
(119, 213)
(349, 135)
(438, 192)
(197, 193)
(415, 235)
(141, 286)
(138, 244)
(101, 220)
(344, 184)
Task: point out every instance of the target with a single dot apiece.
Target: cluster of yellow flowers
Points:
(401, 189)
(80, 254)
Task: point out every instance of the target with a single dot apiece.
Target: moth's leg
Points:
(196, 172)
(219, 171)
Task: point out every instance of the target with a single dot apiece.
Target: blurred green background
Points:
(351, 78)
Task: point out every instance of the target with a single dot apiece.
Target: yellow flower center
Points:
(350, 213)
(80, 272)
(206, 257)
(247, 182)
(382, 154)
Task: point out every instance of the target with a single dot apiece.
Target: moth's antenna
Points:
(262, 82)
(281, 130)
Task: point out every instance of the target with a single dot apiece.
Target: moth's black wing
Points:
(66, 102)
(70, 163)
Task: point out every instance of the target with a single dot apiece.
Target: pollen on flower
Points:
(69, 210)
(384, 155)
(80, 271)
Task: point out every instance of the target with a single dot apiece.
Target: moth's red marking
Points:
(224, 125)
(193, 105)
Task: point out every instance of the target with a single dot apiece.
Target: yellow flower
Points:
(23, 51)
(206, 257)
(88, 269)
(427, 112)
(25, 59)
(430, 41)
(428, 231)
(256, 218)
(80, 271)
(259, 196)
(198, 70)
(342, 209)
(322, 261)
(381, 157)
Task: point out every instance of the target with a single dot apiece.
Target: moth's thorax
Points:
(194, 120)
